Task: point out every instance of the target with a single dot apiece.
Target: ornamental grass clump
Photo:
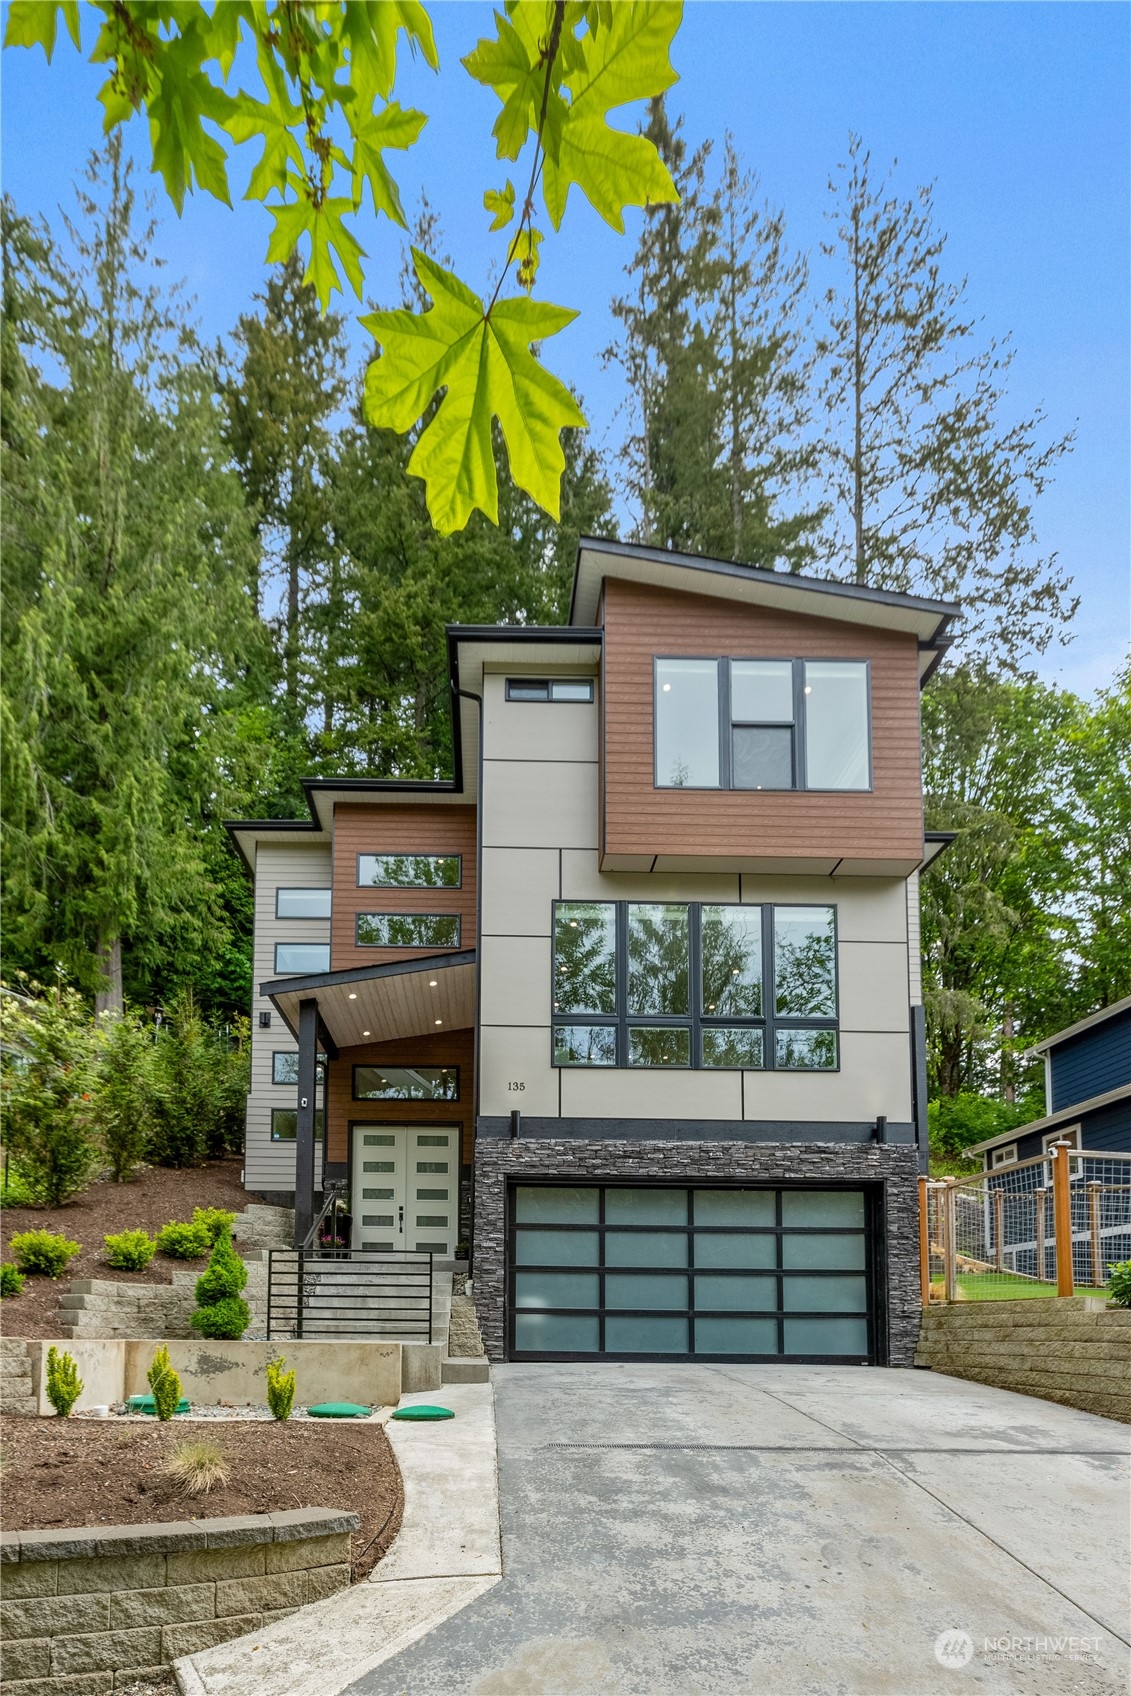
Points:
(46, 1252)
(221, 1310)
(280, 1388)
(197, 1466)
(64, 1386)
(129, 1251)
(165, 1384)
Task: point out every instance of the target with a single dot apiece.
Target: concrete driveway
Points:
(732, 1530)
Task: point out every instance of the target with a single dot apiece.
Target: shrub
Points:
(48, 1060)
(183, 1242)
(43, 1251)
(214, 1220)
(16, 1190)
(221, 1310)
(197, 1466)
(280, 1388)
(129, 1251)
(165, 1384)
(64, 1386)
(201, 1087)
(11, 1279)
(126, 1092)
(1119, 1283)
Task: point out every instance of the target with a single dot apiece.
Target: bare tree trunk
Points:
(109, 998)
(858, 406)
(1008, 1086)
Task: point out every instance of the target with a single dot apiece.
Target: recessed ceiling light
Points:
(365, 1033)
(808, 689)
(353, 997)
(431, 983)
(439, 1021)
(667, 688)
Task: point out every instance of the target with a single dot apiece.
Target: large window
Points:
(406, 1083)
(302, 903)
(284, 1069)
(762, 724)
(301, 958)
(640, 983)
(408, 930)
(408, 871)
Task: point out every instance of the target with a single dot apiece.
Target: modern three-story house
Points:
(630, 1005)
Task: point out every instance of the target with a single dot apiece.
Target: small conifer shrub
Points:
(11, 1279)
(280, 1388)
(64, 1386)
(129, 1251)
(221, 1310)
(165, 1384)
(47, 1252)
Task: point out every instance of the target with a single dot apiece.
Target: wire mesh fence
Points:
(1051, 1225)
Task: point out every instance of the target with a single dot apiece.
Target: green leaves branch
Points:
(328, 119)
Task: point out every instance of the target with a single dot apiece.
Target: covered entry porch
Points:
(396, 1046)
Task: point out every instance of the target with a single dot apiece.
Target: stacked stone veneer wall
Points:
(17, 1390)
(90, 1610)
(105, 1307)
(1073, 1350)
(896, 1167)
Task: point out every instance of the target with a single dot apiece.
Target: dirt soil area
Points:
(61, 1472)
(159, 1194)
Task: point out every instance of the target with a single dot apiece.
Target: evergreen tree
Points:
(126, 549)
(932, 485)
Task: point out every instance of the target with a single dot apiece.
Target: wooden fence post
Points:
(924, 1244)
(1062, 1218)
(1094, 1193)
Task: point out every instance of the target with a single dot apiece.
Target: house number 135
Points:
(516, 1084)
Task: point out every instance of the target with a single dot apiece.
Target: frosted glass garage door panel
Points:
(735, 1336)
(556, 1248)
(826, 1336)
(645, 1289)
(534, 1205)
(824, 1294)
(842, 1253)
(637, 1335)
(734, 1207)
(557, 1333)
(556, 1289)
(843, 1208)
(735, 1294)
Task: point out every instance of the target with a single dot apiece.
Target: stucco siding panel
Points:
(528, 804)
(519, 887)
(537, 730)
(516, 1054)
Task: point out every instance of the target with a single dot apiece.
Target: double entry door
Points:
(406, 1187)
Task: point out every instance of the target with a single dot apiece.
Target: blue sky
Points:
(1020, 113)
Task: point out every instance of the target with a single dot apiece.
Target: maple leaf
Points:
(500, 203)
(484, 363)
(627, 59)
(328, 236)
(274, 120)
(391, 127)
(510, 65)
(370, 28)
(33, 23)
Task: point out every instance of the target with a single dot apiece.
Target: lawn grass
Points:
(1004, 1286)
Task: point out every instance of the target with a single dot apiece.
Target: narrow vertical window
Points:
(687, 724)
(761, 711)
(836, 725)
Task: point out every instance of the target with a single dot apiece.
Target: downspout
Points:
(468, 695)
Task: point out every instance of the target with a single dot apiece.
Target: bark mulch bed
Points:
(62, 1472)
(156, 1196)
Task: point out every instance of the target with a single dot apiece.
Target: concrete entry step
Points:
(467, 1369)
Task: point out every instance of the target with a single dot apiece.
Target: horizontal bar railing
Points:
(355, 1293)
(1050, 1225)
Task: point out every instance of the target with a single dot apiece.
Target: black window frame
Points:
(319, 1123)
(278, 1054)
(404, 1066)
(300, 971)
(873, 1270)
(770, 1021)
(549, 698)
(411, 854)
(304, 889)
(415, 947)
(728, 724)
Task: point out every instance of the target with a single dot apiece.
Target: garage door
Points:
(756, 1274)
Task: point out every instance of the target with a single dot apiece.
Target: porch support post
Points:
(304, 1129)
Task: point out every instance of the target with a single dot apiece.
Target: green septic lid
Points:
(146, 1404)
(420, 1412)
(338, 1410)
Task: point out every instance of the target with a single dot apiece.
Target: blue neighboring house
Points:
(1087, 1091)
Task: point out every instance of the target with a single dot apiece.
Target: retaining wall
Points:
(89, 1610)
(1074, 1350)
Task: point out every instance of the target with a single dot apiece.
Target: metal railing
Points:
(351, 1293)
(1048, 1226)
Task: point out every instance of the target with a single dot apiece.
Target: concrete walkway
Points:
(731, 1530)
(445, 1556)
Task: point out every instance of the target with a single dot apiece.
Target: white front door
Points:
(406, 1187)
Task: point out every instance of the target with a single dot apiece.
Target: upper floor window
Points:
(408, 871)
(284, 1069)
(302, 957)
(408, 930)
(669, 984)
(302, 903)
(762, 724)
(549, 688)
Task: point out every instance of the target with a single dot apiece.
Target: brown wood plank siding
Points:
(397, 829)
(886, 823)
(457, 1048)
